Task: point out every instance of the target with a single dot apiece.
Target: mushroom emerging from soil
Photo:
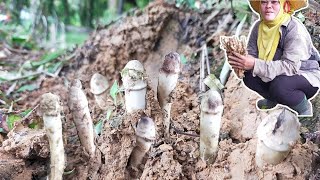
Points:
(133, 78)
(98, 86)
(145, 135)
(277, 134)
(168, 78)
(78, 105)
(210, 120)
(50, 111)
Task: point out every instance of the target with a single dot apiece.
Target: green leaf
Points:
(1, 130)
(98, 127)
(191, 3)
(24, 113)
(19, 39)
(47, 58)
(241, 9)
(301, 17)
(114, 91)
(213, 83)
(3, 79)
(142, 3)
(33, 125)
(27, 87)
(11, 119)
(68, 172)
(54, 67)
(183, 59)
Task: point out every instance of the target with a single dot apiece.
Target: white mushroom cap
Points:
(133, 76)
(98, 84)
(134, 64)
(211, 102)
(49, 105)
(279, 130)
(146, 128)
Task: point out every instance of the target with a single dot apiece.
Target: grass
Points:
(76, 38)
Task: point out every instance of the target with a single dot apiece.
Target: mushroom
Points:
(135, 85)
(50, 112)
(277, 134)
(78, 105)
(168, 79)
(210, 122)
(145, 135)
(98, 86)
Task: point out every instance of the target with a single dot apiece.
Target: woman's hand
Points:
(239, 61)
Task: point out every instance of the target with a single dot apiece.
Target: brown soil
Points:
(148, 36)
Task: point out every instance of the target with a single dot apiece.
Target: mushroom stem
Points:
(78, 105)
(50, 110)
(98, 86)
(145, 135)
(168, 79)
(277, 134)
(133, 78)
(210, 122)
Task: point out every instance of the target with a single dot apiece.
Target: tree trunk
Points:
(66, 11)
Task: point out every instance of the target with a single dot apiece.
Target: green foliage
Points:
(300, 16)
(107, 17)
(33, 125)
(26, 112)
(114, 90)
(12, 118)
(48, 57)
(99, 126)
(73, 38)
(73, 12)
(241, 9)
(142, 3)
(180, 3)
(27, 87)
(213, 82)
(183, 59)
(16, 35)
(194, 4)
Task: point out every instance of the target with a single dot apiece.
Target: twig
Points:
(27, 115)
(184, 133)
(2, 102)
(212, 15)
(25, 76)
(206, 58)
(11, 88)
(202, 70)
(221, 26)
(15, 50)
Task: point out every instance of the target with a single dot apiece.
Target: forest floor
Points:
(148, 36)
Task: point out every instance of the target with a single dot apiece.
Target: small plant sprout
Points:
(168, 78)
(145, 135)
(98, 86)
(277, 134)
(50, 112)
(210, 121)
(78, 105)
(135, 85)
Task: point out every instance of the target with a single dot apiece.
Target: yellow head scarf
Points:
(269, 34)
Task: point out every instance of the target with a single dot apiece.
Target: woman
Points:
(282, 63)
